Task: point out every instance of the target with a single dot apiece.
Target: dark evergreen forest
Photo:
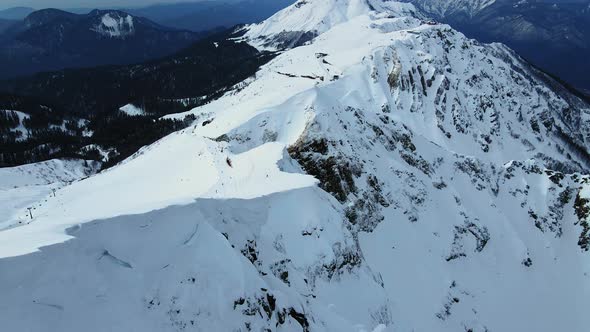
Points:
(74, 113)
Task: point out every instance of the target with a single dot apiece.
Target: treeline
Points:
(206, 69)
(127, 134)
(75, 113)
(8, 120)
(118, 132)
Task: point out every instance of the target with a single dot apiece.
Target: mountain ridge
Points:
(386, 173)
(560, 29)
(15, 13)
(53, 39)
(207, 15)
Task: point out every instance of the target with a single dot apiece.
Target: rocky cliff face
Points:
(464, 8)
(561, 29)
(387, 174)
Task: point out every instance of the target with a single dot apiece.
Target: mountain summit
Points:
(53, 39)
(382, 173)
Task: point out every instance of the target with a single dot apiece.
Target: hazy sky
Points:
(83, 3)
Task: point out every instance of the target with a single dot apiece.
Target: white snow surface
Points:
(104, 153)
(115, 25)
(132, 110)
(449, 195)
(317, 16)
(29, 186)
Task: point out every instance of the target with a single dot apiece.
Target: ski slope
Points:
(31, 186)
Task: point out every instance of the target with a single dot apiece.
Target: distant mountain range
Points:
(58, 114)
(207, 15)
(552, 35)
(194, 16)
(15, 13)
(53, 39)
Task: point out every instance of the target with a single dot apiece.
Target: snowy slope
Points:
(31, 185)
(389, 175)
(298, 24)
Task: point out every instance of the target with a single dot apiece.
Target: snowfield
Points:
(382, 173)
(31, 186)
(132, 110)
(115, 25)
(203, 172)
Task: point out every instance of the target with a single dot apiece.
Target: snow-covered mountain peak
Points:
(389, 175)
(306, 19)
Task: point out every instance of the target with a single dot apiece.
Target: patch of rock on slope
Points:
(452, 192)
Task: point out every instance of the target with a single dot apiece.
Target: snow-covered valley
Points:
(383, 173)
